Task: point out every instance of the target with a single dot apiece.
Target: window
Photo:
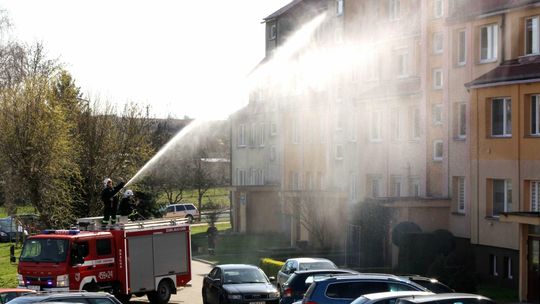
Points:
(253, 135)
(437, 115)
(339, 152)
(414, 186)
(535, 115)
(295, 181)
(531, 36)
(535, 195)
(241, 177)
(438, 150)
(437, 8)
(375, 186)
(461, 48)
(296, 132)
(241, 136)
(462, 121)
(260, 177)
(396, 186)
(375, 126)
(252, 176)
(493, 265)
(402, 63)
(353, 193)
(437, 42)
(309, 181)
(394, 10)
(437, 79)
(273, 31)
(508, 272)
(273, 153)
(488, 42)
(501, 117)
(502, 196)
(460, 194)
(339, 7)
(415, 123)
(273, 129)
(261, 135)
(339, 122)
(103, 247)
(396, 124)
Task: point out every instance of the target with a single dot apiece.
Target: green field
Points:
(216, 195)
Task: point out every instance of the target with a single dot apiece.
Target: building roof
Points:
(465, 9)
(521, 70)
(282, 10)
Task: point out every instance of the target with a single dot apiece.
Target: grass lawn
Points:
(216, 195)
(232, 247)
(499, 294)
(8, 271)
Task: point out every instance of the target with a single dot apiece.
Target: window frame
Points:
(535, 108)
(394, 10)
(438, 9)
(437, 43)
(437, 142)
(462, 120)
(339, 152)
(507, 199)
(340, 7)
(492, 41)
(461, 194)
(375, 126)
(505, 132)
(273, 32)
(534, 194)
(437, 114)
(461, 47)
(438, 79)
(535, 47)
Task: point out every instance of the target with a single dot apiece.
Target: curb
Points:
(203, 261)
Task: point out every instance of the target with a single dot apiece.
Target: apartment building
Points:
(415, 112)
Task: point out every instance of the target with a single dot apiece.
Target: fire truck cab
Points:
(148, 258)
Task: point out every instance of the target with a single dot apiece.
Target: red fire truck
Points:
(140, 258)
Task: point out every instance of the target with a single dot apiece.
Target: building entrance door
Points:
(533, 284)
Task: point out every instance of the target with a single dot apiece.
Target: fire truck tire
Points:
(124, 298)
(162, 294)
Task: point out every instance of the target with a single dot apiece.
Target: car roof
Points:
(16, 290)
(445, 296)
(366, 276)
(308, 260)
(237, 266)
(393, 294)
(329, 270)
(42, 296)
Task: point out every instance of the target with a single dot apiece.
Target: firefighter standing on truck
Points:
(110, 201)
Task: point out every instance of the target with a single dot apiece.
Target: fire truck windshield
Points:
(44, 250)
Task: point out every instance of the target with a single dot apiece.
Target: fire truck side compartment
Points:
(141, 263)
(170, 254)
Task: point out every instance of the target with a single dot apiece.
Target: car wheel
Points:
(162, 294)
(189, 218)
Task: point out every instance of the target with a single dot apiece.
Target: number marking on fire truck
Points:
(104, 275)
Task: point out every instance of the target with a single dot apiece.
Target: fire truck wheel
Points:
(123, 297)
(162, 294)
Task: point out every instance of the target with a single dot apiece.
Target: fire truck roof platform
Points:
(94, 224)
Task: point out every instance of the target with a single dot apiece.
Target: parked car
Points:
(389, 297)
(297, 284)
(8, 294)
(77, 297)
(430, 283)
(345, 289)
(9, 228)
(292, 265)
(185, 210)
(447, 298)
(238, 283)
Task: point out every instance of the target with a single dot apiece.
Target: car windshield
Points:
(243, 276)
(317, 265)
(44, 250)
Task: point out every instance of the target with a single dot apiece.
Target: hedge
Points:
(270, 266)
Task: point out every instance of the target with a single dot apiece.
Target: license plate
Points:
(34, 287)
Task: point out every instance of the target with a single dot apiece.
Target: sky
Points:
(183, 58)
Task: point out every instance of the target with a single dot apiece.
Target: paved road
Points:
(190, 294)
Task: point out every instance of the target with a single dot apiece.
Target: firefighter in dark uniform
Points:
(110, 201)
